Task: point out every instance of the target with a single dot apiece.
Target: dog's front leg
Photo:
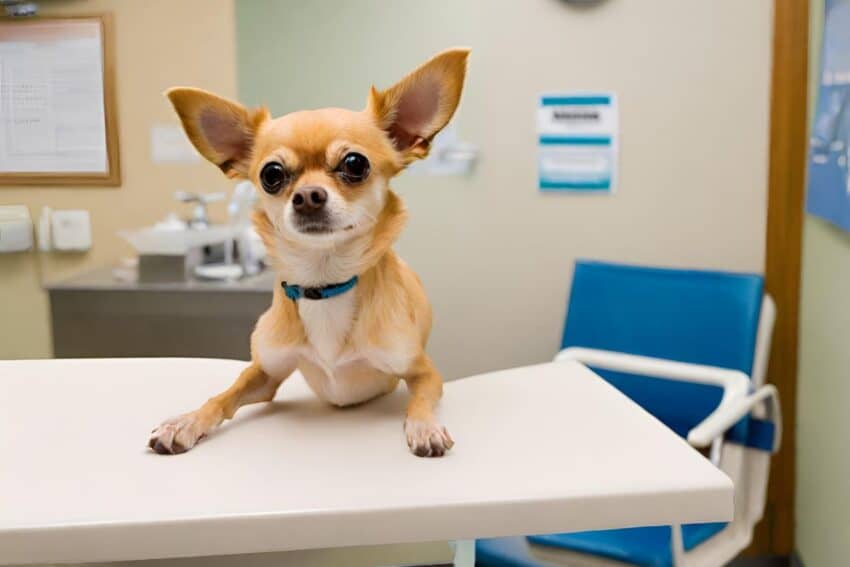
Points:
(425, 437)
(180, 434)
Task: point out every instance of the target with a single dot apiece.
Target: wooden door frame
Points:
(786, 190)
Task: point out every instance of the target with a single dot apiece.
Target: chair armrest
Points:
(727, 415)
(735, 384)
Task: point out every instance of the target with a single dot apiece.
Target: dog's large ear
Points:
(416, 108)
(221, 130)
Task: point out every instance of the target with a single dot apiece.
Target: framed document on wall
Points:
(58, 123)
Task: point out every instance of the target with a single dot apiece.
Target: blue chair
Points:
(690, 347)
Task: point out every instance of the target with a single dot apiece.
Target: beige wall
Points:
(159, 43)
(495, 254)
(823, 421)
(823, 462)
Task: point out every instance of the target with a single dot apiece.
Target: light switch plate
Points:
(70, 230)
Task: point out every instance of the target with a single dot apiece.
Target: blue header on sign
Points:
(574, 100)
(575, 140)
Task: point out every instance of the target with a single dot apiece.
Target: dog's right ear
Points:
(221, 130)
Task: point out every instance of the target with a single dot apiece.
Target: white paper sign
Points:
(577, 142)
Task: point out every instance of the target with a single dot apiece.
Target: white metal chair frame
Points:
(748, 468)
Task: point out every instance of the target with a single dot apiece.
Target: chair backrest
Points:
(701, 317)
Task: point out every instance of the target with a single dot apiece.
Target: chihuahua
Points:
(348, 313)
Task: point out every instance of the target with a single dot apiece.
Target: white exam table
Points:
(548, 448)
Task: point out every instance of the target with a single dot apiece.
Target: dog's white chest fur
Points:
(330, 363)
(327, 323)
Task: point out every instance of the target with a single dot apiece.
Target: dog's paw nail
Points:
(427, 439)
(421, 450)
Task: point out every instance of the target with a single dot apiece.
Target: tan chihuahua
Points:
(349, 314)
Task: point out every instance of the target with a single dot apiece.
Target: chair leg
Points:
(464, 553)
(677, 547)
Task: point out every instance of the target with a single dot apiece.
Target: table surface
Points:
(539, 449)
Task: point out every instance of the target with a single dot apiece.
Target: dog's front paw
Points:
(177, 435)
(427, 438)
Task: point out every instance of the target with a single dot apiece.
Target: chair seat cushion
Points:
(649, 547)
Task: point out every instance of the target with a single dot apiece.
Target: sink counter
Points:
(103, 279)
(95, 314)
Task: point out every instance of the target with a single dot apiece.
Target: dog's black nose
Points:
(309, 200)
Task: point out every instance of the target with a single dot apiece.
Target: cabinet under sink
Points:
(96, 315)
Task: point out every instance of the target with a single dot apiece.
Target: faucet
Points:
(199, 219)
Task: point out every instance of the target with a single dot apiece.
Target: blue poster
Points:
(829, 147)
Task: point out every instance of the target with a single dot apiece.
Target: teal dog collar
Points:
(296, 292)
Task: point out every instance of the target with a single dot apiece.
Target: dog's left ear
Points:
(416, 108)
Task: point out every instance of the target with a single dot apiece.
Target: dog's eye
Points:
(353, 168)
(273, 176)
